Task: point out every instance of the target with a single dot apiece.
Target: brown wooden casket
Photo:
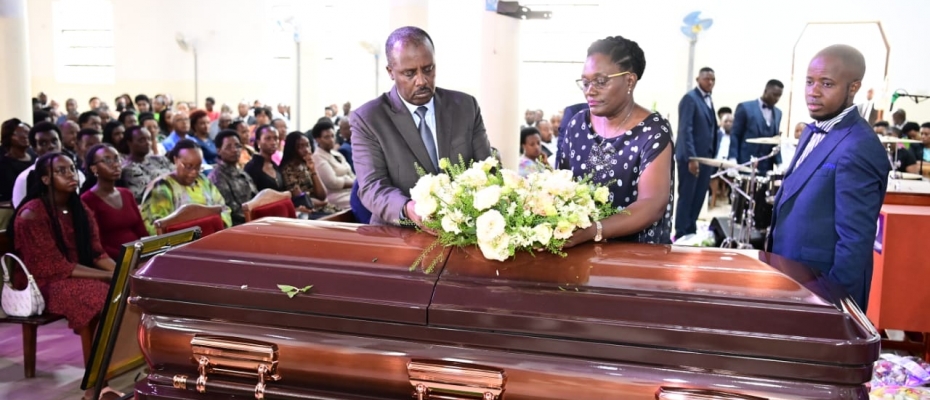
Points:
(609, 321)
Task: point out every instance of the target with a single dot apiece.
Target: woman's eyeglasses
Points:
(64, 171)
(599, 83)
(111, 161)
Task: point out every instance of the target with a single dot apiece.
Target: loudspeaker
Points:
(721, 228)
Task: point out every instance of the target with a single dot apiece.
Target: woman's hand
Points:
(308, 159)
(581, 236)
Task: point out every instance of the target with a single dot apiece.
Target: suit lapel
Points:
(403, 122)
(760, 119)
(811, 163)
(443, 127)
(698, 97)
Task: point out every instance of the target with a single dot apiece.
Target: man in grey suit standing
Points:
(414, 123)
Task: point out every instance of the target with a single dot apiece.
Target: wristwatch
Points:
(600, 230)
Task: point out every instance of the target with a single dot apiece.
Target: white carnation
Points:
(487, 197)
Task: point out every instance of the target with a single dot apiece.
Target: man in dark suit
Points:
(568, 114)
(826, 210)
(757, 119)
(414, 123)
(697, 137)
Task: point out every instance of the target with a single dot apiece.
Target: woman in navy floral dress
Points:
(621, 144)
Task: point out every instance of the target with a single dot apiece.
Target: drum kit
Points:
(753, 196)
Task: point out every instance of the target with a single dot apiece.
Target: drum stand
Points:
(748, 223)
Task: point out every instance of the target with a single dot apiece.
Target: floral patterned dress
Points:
(618, 163)
(79, 300)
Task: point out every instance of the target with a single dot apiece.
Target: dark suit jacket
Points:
(570, 112)
(748, 123)
(386, 143)
(827, 209)
(697, 128)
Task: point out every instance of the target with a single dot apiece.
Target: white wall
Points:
(241, 55)
(748, 44)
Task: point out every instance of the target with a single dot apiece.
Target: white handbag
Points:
(20, 303)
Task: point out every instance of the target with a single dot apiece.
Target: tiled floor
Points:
(59, 365)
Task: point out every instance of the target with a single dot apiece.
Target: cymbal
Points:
(905, 175)
(894, 140)
(773, 140)
(724, 164)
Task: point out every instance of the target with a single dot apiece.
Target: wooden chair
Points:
(189, 215)
(269, 203)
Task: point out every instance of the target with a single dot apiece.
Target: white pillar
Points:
(15, 98)
(477, 52)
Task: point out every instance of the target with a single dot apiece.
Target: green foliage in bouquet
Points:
(501, 212)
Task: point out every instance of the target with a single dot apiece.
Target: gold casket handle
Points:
(453, 381)
(671, 393)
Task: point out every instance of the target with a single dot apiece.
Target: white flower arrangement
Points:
(502, 212)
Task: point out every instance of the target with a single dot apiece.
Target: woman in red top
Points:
(115, 208)
(57, 238)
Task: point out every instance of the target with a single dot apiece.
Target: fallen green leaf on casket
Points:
(292, 291)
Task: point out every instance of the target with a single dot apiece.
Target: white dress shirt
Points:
(430, 118)
(19, 187)
(766, 113)
(816, 138)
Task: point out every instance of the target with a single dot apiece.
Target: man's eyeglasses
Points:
(599, 83)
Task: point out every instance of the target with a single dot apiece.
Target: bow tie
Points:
(815, 129)
(766, 106)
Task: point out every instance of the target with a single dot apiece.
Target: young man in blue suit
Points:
(826, 211)
(757, 119)
(697, 137)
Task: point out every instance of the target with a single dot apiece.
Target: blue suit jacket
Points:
(697, 128)
(748, 123)
(827, 209)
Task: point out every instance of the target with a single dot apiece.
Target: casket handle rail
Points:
(673, 393)
(454, 380)
(215, 355)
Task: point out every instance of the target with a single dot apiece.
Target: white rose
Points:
(601, 194)
(449, 225)
(422, 189)
(426, 207)
(497, 248)
(490, 225)
(487, 197)
(542, 233)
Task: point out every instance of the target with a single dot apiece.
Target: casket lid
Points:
(357, 271)
(744, 303)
